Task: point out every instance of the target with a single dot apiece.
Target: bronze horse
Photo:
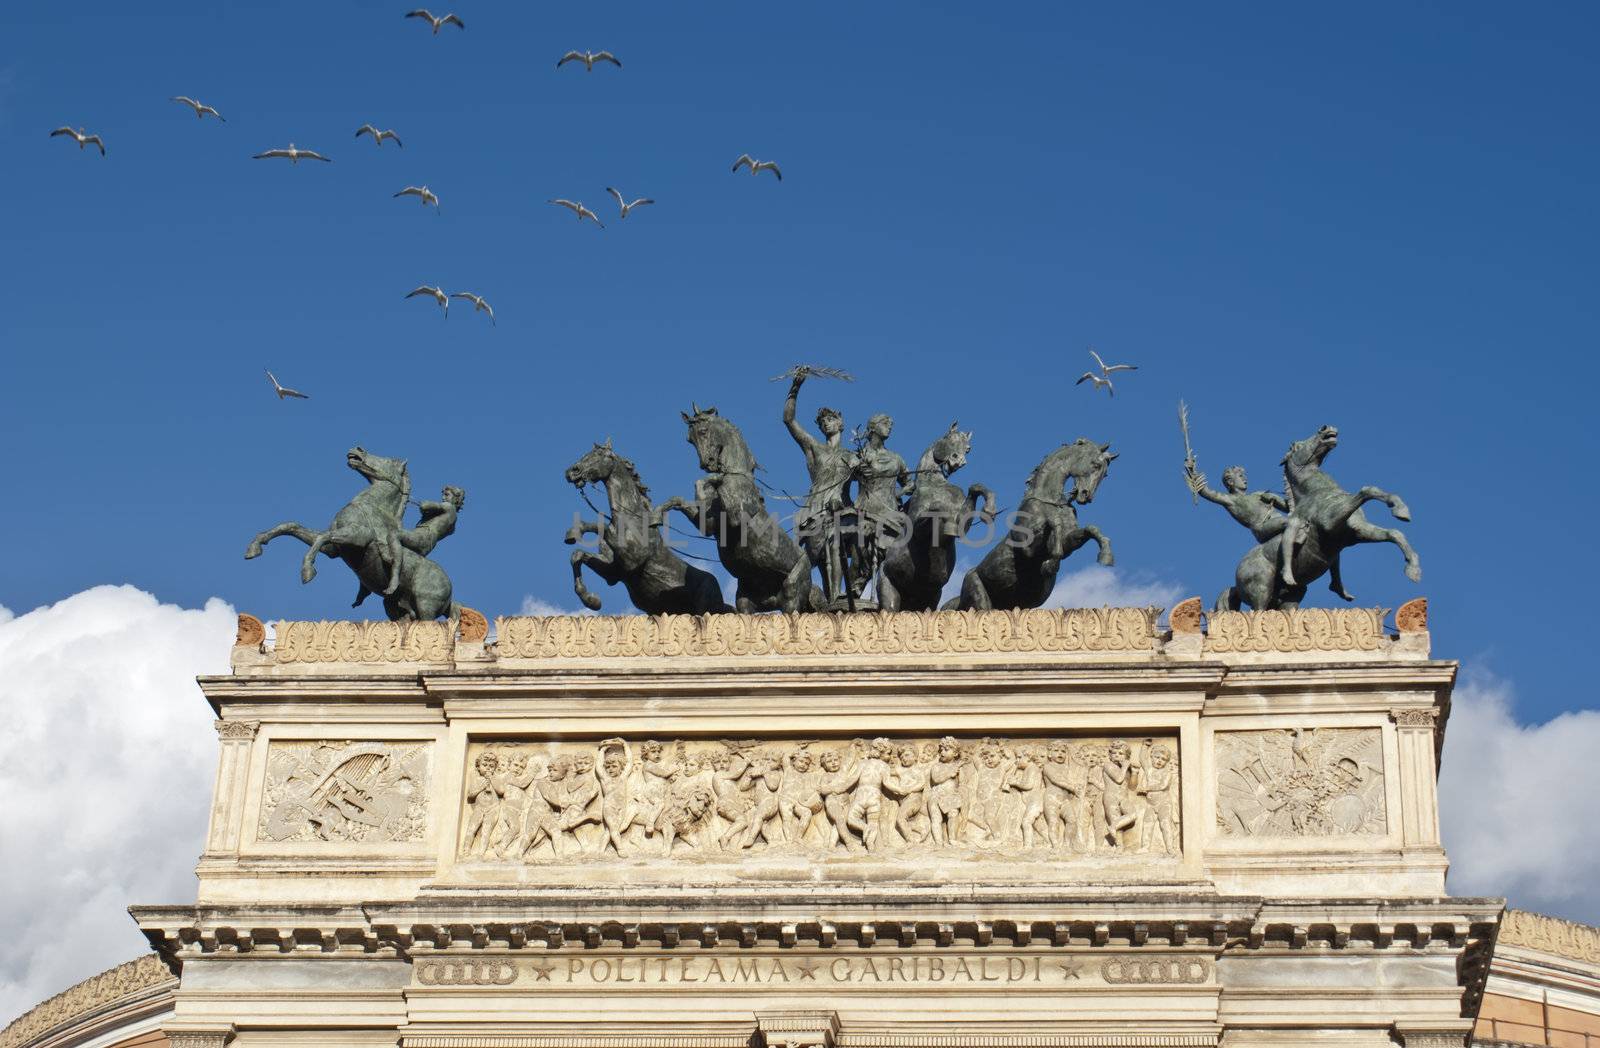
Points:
(632, 550)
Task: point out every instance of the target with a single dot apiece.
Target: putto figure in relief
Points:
(1045, 799)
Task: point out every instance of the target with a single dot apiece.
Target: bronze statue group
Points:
(870, 533)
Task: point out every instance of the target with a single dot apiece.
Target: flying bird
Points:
(626, 207)
(581, 211)
(1104, 377)
(293, 155)
(450, 19)
(422, 193)
(589, 58)
(437, 293)
(379, 136)
(478, 304)
(284, 391)
(81, 138)
(757, 166)
(200, 110)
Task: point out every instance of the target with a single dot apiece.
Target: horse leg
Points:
(1366, 531)
(1396, 504)
(299, 531)
(580, 558)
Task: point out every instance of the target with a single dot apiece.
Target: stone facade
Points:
(933, 829)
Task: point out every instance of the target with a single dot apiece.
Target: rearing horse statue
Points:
(1331, 521)
(915, 571)
(632, 550)
(1021, 571)
(728, 506)
(365, 535)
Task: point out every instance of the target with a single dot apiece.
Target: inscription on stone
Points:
(1038, 969)
(345, 791)
(1301, 782)
(1036, 798)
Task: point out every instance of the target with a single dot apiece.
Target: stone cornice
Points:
(131, 984)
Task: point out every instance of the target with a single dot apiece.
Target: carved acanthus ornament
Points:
(358, 642)
(1317, 782)
(1416, 718)
(1551, 935)
(1303, 629)
(240, 730)
(1045, 799)
(900, 633)
(125, 980)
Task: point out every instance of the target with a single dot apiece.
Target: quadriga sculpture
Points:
(1021, 570)
(632, 550)
(915, 571)
(367, 535)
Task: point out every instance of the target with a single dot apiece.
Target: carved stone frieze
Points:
(1312, 782)
(91, 995)
(1033, 798)
(898, 633)
(1535, 931)
(358, 642)
(1303, 629)
(236, 730)
(345, 791)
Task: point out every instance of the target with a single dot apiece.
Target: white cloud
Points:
(1518, 803)
(106, 767)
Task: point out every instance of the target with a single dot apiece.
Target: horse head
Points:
(949, 452)
(717, 441)
(376, 468)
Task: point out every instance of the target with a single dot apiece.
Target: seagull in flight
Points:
(450, 19)
(478, 304)
(422, 193)
(757, 166)
(200, 110)
(1104, 377)
(379, 136)
(589, 58)
(626, 207)
(581, 211)
(284, 391)
(293, 155)
(81, 138)
(438, 295)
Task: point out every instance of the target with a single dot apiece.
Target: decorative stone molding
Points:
(363, 642)
(896, 633)
(1534, 931)
(1318, 782)
(1412, 617)
(1304, 629)
(125, 981)
(1416, 718)
(237, 730)
(1044, 799)
(252, 634)
(1185, 616)
(796, 1029)
(474, 628)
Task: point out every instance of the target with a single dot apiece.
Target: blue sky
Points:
(1372, 216)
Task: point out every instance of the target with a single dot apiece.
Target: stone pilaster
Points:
(1419, 788)
(233, 765)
